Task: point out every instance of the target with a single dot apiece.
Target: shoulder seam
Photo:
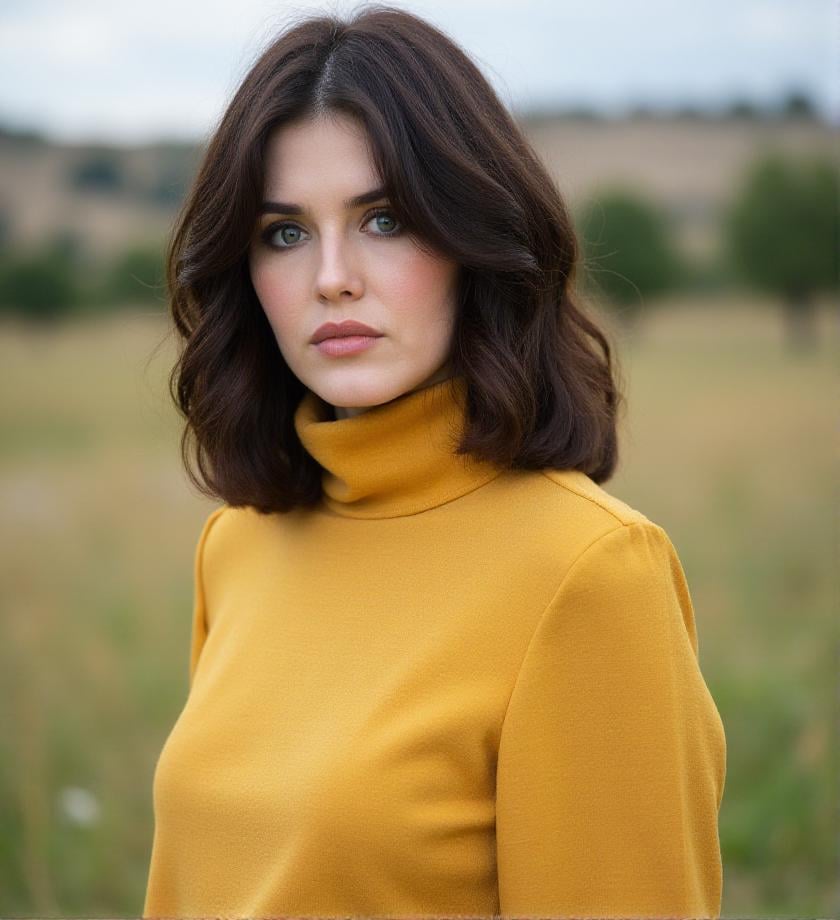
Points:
(215, 515)
(211, 519)
(589, 498)
(550, 604)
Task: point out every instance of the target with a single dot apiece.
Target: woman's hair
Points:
(464, 182)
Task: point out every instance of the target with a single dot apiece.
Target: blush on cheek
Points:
(417, 280)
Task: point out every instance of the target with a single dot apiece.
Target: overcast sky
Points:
(130, 72)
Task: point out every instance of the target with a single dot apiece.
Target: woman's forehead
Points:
(319, 153)
(336, 130)
(302, 167)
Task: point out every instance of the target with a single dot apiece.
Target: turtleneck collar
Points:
(394, 459)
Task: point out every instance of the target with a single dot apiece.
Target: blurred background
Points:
(697, 147)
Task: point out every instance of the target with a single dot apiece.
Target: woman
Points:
(436, 669)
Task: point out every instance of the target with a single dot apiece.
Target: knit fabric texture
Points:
(448, 689)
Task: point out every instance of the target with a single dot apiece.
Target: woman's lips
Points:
(346, 345)
(344, 328)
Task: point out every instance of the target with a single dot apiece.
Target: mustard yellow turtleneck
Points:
(447, 689)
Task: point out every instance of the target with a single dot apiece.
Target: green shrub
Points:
(781, 228)
(135, 276)
(627, 253)
(38, 284)
(98, 171)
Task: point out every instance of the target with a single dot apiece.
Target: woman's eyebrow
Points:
(283, 207)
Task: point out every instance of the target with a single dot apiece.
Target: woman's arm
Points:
(612, 757)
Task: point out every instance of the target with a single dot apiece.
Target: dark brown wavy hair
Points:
(466, 183)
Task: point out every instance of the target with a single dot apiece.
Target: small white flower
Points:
(79, 806)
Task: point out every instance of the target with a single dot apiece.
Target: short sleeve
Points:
(612, 755)
(199, 612)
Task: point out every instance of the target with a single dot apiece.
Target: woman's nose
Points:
(337, 271)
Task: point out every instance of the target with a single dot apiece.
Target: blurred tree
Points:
(640, 110)
(98, 171)
(627, 254)
(742, 108)
(170, 185)
(583, 112)
(5, 226)
(39, 285)
(690, 110)
(24, 137)
(781, 235)
(136, 276)
(797, 103)
(67, 243)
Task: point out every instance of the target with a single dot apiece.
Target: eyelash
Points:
(272, 229)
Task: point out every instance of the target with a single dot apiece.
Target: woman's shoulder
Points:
(568, 509)
(554, 512)
(230, 532)
(555, 517)
(580, 493)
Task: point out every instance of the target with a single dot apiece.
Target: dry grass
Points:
(730, 444)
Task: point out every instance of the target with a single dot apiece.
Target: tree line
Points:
(778, 236)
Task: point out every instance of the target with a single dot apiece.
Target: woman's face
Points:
(327, 263)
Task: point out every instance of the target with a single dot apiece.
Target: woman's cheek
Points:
(275, 299)
(271, 290)
(413, 279)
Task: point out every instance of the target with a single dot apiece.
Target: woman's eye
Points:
(278, 232)
(389, 228)
(287, 235)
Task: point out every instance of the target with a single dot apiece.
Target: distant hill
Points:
(109, 197)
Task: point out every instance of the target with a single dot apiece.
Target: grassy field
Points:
(730, 443)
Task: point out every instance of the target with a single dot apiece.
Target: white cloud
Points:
(137, 69)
